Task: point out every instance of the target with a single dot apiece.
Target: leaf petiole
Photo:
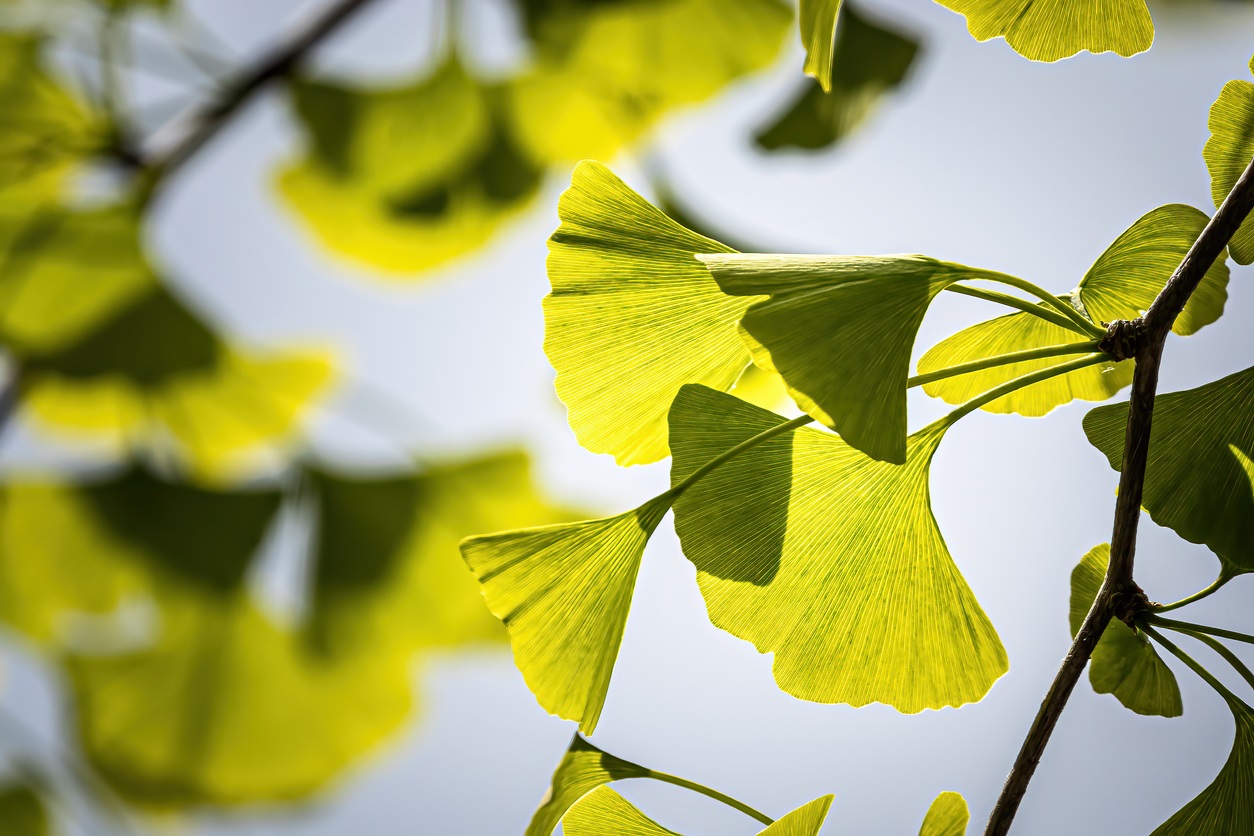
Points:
(732, 452)
(715, 794)
(1033, 308)
(1049, 299)
(1196, 596)
(1207, 676)
(1187, 627)
(1228, 656)
(1025, 380)
(1003, 360)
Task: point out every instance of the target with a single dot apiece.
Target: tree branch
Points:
(1119, 593)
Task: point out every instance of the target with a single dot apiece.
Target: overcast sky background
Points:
(985, 159)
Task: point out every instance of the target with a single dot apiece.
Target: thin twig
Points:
(1119, 589)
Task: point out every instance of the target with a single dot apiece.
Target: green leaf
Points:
(1124, 664)
(830, 560)
(839, 330)
(1227, 805)
(564, 592)
(1121, 284)
(870, 60)
(1194, 485)
(818, 33)
(23, 812)
(1228, 153)
(804, 821)
(604, 811)
(583, 768)
(632, 316)
(604, 74)
(948, 816)
(1047, 30)
(407, 178)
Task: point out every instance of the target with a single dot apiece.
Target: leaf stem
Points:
(1227, 654)
(1196, 596)
(1048, 298)
(1025, 380)
(732, 452)
(1033, 308)
(1189, 627)
(715, 794)
(1003, 360)
(1196, 666)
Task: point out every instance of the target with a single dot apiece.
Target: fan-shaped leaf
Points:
(1121, 284)
(1047, 30)
(870, 60)
(564, 592)
(583, 768)
(839, 330)
(1227, 805)
(818, 35)
(804, 821)
(948, 816)
(830, 560)
(1124, 663)
(1194, 485)
(604, 811)
(632, 316)
(1228, 153)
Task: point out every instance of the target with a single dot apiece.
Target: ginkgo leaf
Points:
(948, 816)
(564, 592)
(23, 812)
(1228, 153)
(818, 34)
(1124, 663)
(804, 821)
(582, 769)
(870, 60)
(1194, 485)
(1047, 30)
(1121, 284)
(604, 811)
(830, 560)
(405, 179)
(632, 316)
(1227, 805)
(603, 74)
(839, 330)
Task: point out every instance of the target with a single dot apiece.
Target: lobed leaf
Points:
(582, 769)
(948, 816)
(1047, 30)
(1227, 805)
(564, 592)
(1228, 152)
(818, 34)
(1194, 485)
(830, 560)
(632, 316)
(1124, 663)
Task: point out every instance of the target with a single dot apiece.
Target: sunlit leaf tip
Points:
(582, 769)
(830, 560)
(632, 316)
(1225, 807)
(1124, 663)
(1228, 151)
(1047, 30)
(563, 592)
(806, 820)
(818, 35)
(948, 816)
(603, 812)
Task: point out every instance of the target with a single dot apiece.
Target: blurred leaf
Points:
(405, 179)
(603, 811)
(839, 330)
(948, 816)
(818, 32)
(22, 811)
(1124, 663)
(830, 560)
(604, 73)
(1047, 30)
(1194, 485)
(1227, 805)
(583, 768)
(1121, 284)
(1228, 152)
(564, 592)
(632, 316)
(871, 59)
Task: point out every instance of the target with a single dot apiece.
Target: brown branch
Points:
(1119, 589)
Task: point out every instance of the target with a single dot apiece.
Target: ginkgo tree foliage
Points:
(813, 536)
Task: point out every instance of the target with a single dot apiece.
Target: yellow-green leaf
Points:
(804, 821)
(564, 592)
(603, 811)
(583, 768)
(818, 34)
(830, 560)
(632, 316)
(1124, 662)
(948, 816)
(1194, 485)
(1228, 152)
(1047, 30)
(1226, 807)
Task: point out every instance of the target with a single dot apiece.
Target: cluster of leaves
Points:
(819, 545)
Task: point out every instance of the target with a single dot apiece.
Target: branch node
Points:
(1123, 338)
(1129, 603)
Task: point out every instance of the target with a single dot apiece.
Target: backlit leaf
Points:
(1228, 153)
(948, 816)
(583, 768)
(22, 811)
(604, 811)
(632, 316)
(1047, 30)
(564, 592)
(1194, 485)
(818, 33)
(804, 821)
(839, 330)
(870, 60)
(1227, 805)
(830, 560)
(1124, 662)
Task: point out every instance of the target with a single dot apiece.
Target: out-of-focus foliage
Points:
(22, 811)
